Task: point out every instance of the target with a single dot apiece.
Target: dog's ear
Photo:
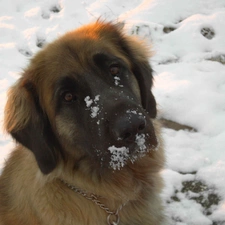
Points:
(143, 74)
(28, 125)
(138, 56)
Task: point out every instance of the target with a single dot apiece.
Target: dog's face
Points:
(85, 96)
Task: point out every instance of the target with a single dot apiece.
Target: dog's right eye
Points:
(114, 70)
(68, 97)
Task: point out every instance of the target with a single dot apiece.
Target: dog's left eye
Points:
(68, 97)
(114, 70)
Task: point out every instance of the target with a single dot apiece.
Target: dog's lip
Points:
(146, 142)
(148, 137)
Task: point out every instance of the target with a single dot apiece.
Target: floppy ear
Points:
(26, 122)
(143, 74)
(138, 55)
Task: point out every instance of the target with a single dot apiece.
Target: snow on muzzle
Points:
(135, 137)
(130, 132)
(121, 155)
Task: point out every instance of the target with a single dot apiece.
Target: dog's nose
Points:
(127, 126)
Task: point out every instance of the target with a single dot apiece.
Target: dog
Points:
(88, 146)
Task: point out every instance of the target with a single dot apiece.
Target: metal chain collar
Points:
(113, 218)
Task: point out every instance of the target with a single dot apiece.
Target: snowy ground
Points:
(188, 38)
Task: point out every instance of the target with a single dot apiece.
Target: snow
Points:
(94, 109)
(88, 101)
(119, 157)
(187, 38)
(117, 81)
(140, 141)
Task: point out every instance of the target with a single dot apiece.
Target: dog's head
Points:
(86, 95)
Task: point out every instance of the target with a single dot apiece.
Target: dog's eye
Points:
(114, 70)
(69, 97)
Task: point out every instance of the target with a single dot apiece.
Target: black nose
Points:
(127, 126)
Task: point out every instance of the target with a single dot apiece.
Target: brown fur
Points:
(31, 192)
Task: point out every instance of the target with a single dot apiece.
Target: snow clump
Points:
(94, 109)
(119, 157)
(140, 141)
(117, 81)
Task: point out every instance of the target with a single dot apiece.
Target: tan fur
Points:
(28, 197)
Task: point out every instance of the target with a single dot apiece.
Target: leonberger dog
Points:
(88, 147)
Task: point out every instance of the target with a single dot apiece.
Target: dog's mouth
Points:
(120, 156)
(125, 132)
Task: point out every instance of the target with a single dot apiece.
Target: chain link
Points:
(95, 199)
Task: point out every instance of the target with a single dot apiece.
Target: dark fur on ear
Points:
(138, 55)
(28, 125)
(143, 73)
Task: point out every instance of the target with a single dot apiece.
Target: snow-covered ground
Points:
(188, 38)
